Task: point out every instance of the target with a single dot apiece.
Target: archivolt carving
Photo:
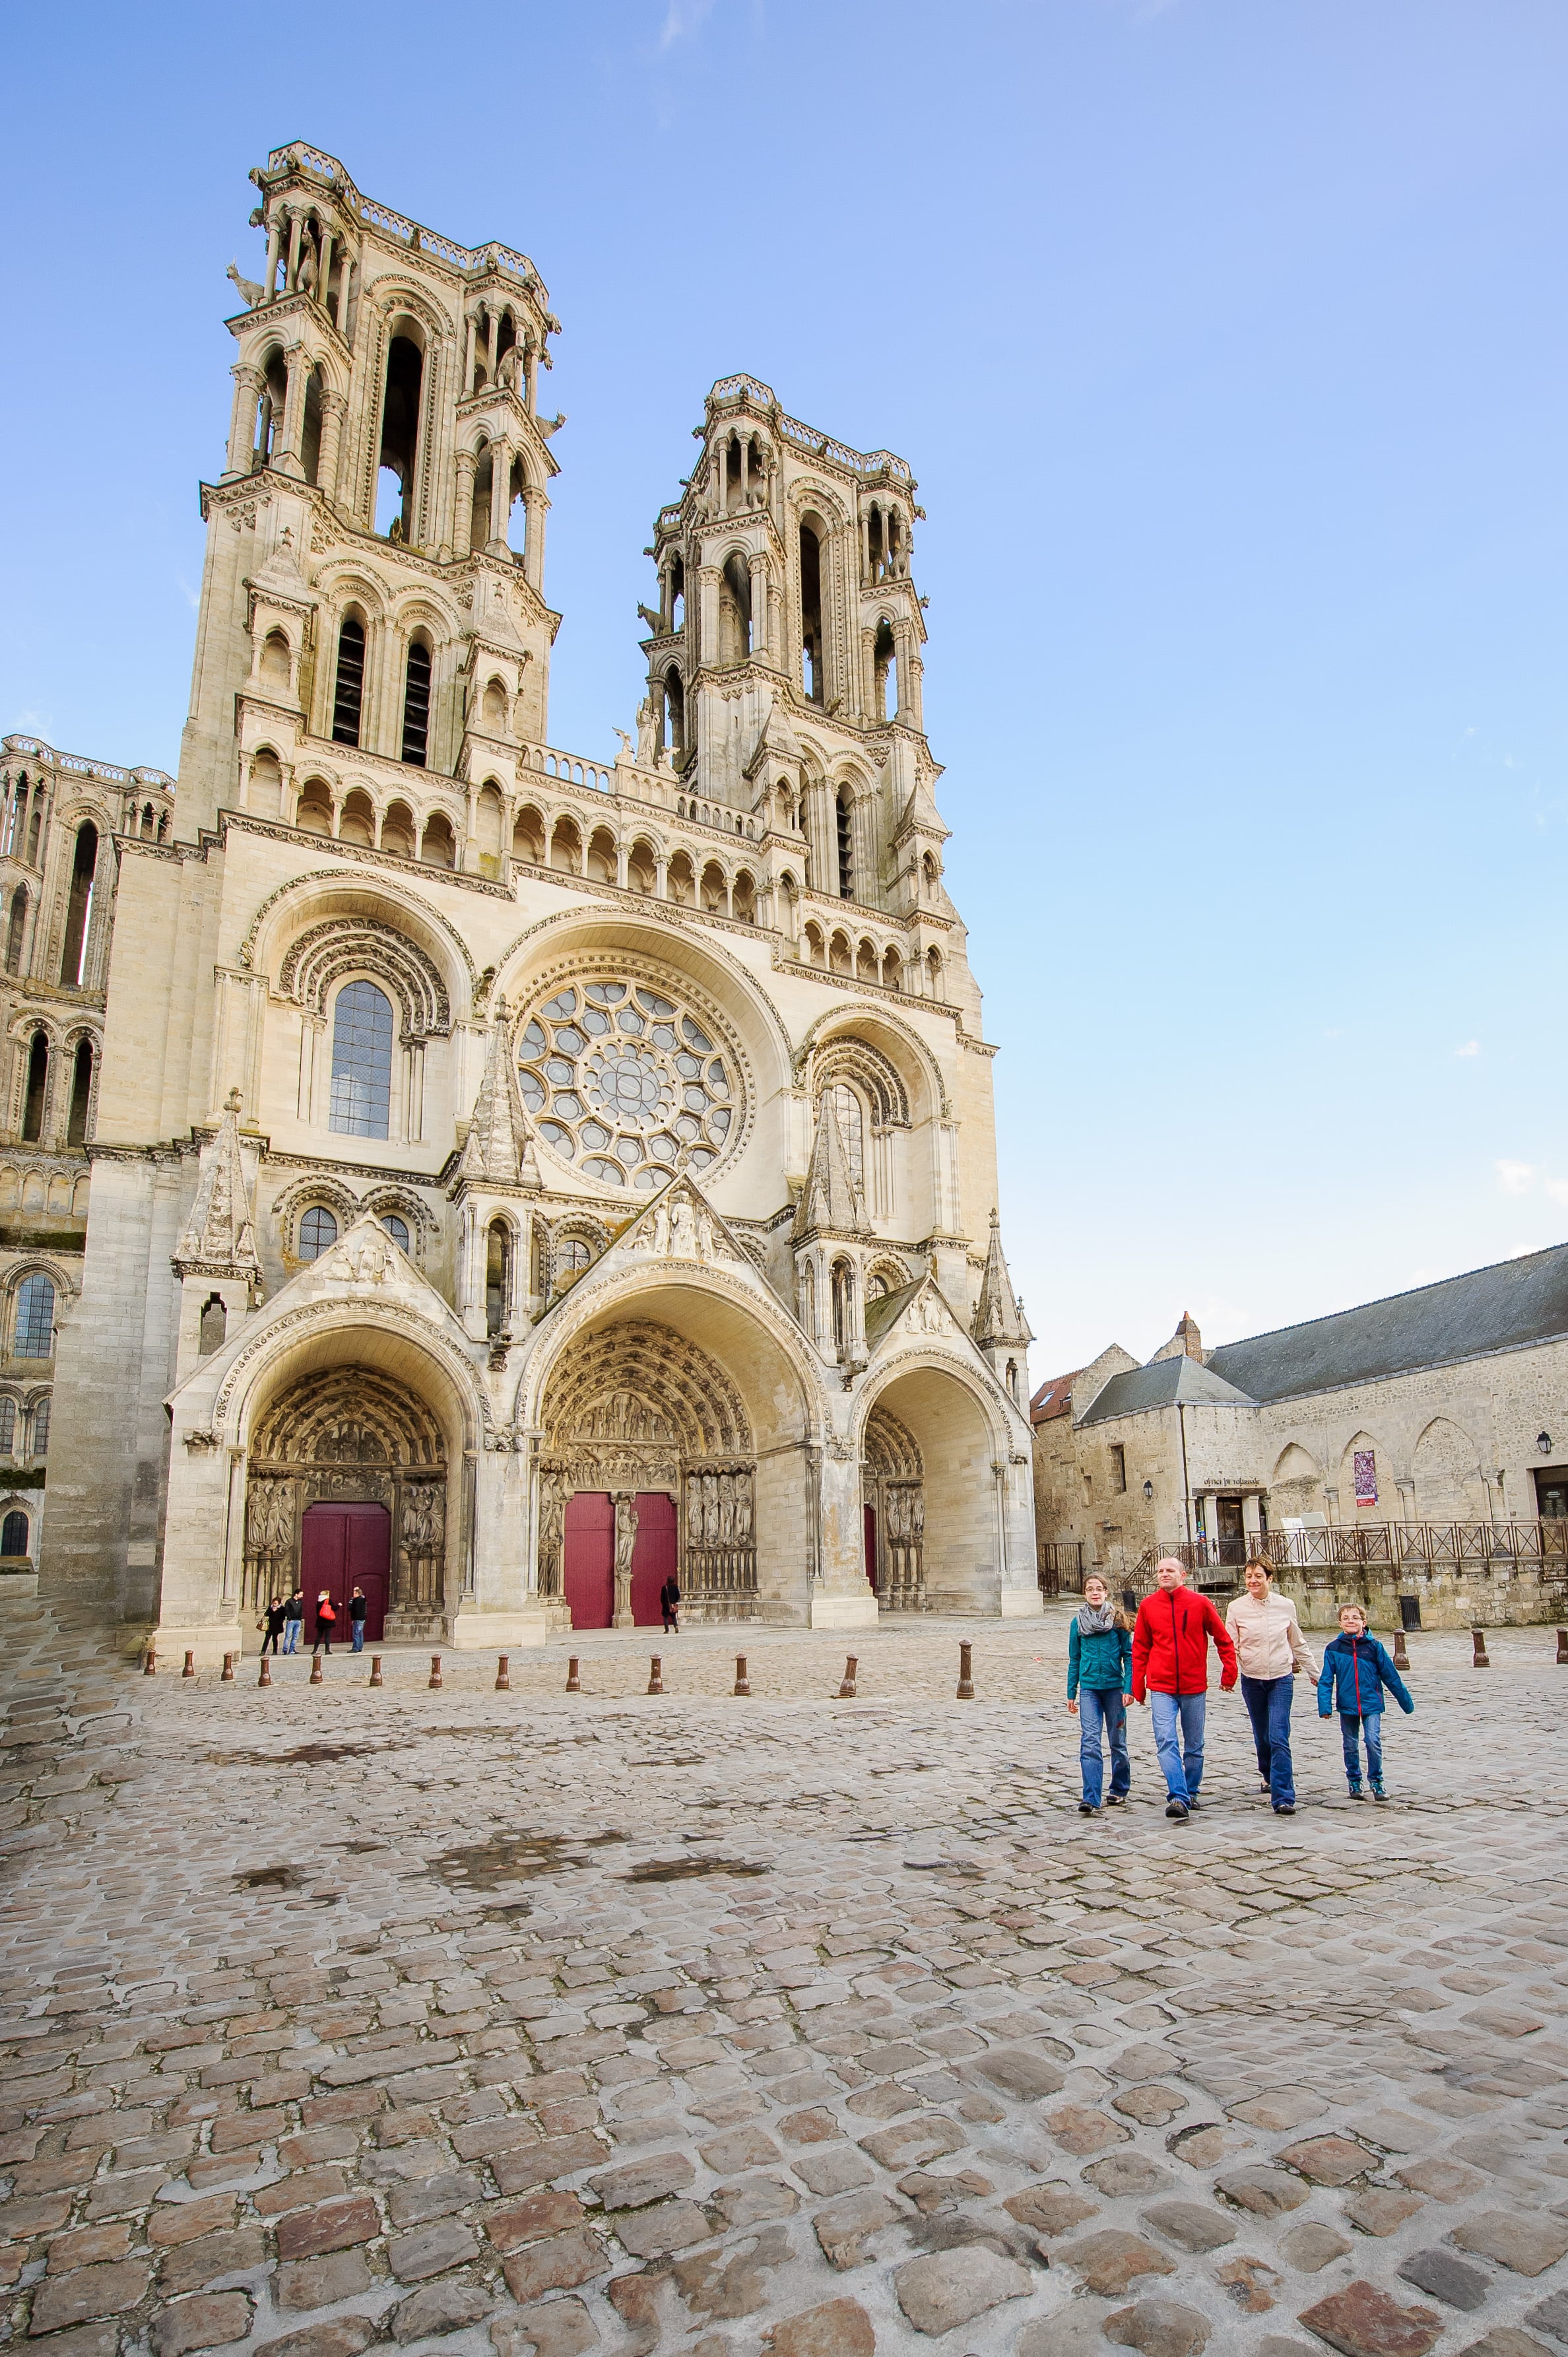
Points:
(341, 945)
(891, 1449)
(349, 1416)
(302, 887)
(641, 1382)
(846, 1058)
(809, 1052)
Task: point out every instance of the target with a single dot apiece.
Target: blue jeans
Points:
(1102, 1710)
(1268, 1707)
(291, 1636)
(1371, 1725)
(1181, 1761)
(359, 1636)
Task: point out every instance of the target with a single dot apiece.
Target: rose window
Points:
(625, 1084)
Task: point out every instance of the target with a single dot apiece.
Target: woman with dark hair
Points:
(1098, 1688)
(1270, 1649)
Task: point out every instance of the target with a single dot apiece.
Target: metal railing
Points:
(1541, 1546)
(1060, 1565)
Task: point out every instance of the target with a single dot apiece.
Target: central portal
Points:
(636, 1537)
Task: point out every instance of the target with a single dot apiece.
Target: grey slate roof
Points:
(1497, 1308)
(1162, 1383)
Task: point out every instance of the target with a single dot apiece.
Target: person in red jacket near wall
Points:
(1170, 1673)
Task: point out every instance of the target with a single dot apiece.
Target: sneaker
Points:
(1178, 1809)
(1116, 1799)
(1193, 1800)
(1354, 1790)
(1284, 1808)
(1085, 1808)
(1378, 1793)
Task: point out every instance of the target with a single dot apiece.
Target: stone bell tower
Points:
(784, 657)
(386, 462)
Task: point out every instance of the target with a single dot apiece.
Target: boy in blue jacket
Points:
(1355, 1670)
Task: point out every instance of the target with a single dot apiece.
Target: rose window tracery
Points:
(625, 1083)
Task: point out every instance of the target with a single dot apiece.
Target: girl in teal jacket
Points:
(1099, 1689)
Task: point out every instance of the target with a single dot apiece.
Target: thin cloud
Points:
(1469, 1048)
(683, 17)
(1516, 1178)
(1557, 1189)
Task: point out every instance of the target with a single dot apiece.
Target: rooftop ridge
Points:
(35, 748)
(1382, 1300)
(743, 387)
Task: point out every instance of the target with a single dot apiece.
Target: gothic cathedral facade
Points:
(514, 1178)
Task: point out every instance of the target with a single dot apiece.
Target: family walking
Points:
(1163, 1660)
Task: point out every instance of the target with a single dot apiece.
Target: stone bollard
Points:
(189, 1669)
(741, 1683)
(228, 1677)
(850, 1663)
(435, 1669)
(150, 1663)
(1562, 1647)
(376, 1678)
(574, 1683)
(503, 1674)
(656, 1674)
(264, 1675)
(965, 1675)
(1478, 1642)
(315, 1679)
(1402, 1658)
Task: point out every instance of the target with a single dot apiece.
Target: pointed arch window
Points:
(79, 909)
(7, 1427)
(35, 1333)
(16, 930)
(361, 1061)
(416, 705)
(37, 1089)
(14, 1533)
(41, 1408)
(845, 849)
(850, 1116)
(81, 1094)
(349, 698)
(317, 1232)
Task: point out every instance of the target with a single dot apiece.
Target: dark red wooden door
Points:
(588, 1571)
(342, 1547)
(653, 1556)
(870, 1545)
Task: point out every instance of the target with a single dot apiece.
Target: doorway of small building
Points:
(1551, 1493)
(1228, 1515)
(588, 1559)
(342, 1547)
(870, 1513)
(653, 1556)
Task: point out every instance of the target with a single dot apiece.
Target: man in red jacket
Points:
(1170, 1673)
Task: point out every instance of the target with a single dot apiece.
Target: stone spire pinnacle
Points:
(220, 1238)
(998, 1315)
(498, 1149)
(831, 1197)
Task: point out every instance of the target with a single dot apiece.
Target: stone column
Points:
(287, 459)
(761, 640)
(536, 508)
(463, 521)
(324, 268)
(625, 1512)
(467, 354)
(843, 1597)
(500, 485)
(242, 422)
(291, 276)
(332, 408)
(531, 365)
(273, 240)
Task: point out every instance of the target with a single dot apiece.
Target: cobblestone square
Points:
(340, 2018)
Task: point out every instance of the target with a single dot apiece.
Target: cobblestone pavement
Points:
(782, 2027)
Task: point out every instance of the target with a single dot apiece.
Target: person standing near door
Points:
(1170, 1671)
(273, 1621)
(325, 1621)
(1270, 1649)
(670, 1605)
(293, 1621)
(357, 1608)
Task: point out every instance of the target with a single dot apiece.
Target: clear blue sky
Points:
(1227, 339)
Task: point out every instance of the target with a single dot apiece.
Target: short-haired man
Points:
(1270, 1649)
(1170, 1671)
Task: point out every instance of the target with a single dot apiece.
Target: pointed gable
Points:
(997, 1317)
(220, 1238)
(498, 1149)
(830, 1199)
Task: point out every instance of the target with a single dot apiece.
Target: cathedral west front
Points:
(440, 1162)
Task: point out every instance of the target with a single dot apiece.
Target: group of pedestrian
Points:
(1163, 1661)
(284, 1617)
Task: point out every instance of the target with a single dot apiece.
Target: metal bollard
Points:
(503, 1674)
(1478, 1641)
(228, 1677)
(150, 1661)
(189, 1669)
(965, 1675)
(1402, 1658)
(1562, 1647)
(850, 1663)
(574, 1683)
(315, 1667)
(376, 1678)
(265, 1677)
(656, 1674)
(741, 1683)
(435, 1669)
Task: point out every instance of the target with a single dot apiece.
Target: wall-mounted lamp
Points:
(1149, 1487)
(1543, 1443)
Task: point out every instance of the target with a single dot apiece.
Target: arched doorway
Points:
(343, 1547)
(349, 1438)
(928, 1465)
(892, 1489)
(648, 1468)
